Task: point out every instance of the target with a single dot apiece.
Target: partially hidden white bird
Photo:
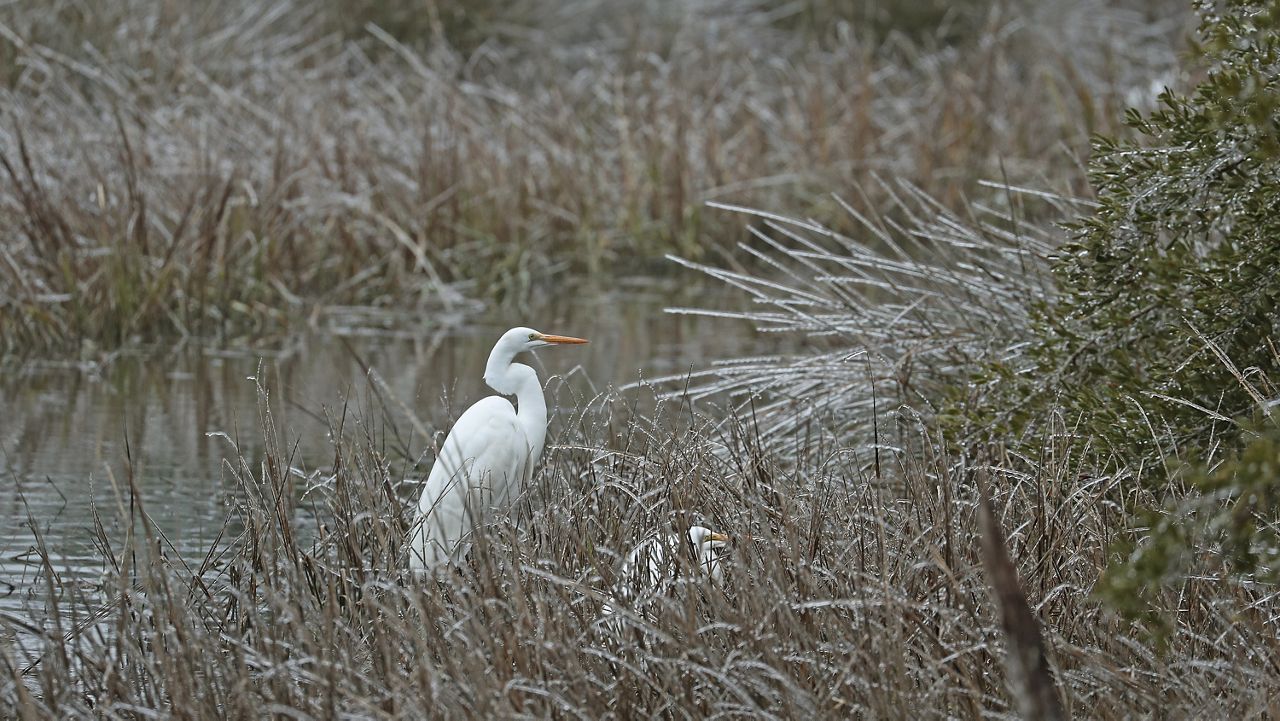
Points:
(487, 457)
(651, 567)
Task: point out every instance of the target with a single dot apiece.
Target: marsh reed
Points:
(231, 172)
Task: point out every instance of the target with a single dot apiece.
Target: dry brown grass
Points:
(226, 171)
(854, 589)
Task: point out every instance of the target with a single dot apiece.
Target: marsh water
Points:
(71, 434)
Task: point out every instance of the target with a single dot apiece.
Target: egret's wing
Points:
(646, 572)
(711, 562)
(650, 570)
(648, 565)
(480, 467)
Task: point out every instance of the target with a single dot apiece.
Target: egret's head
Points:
(706, 540)
(707, 545)
(519, 340)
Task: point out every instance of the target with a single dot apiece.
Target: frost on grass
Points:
(852, 588)
(224, 171)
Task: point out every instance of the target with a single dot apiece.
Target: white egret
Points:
(651, 567)
(487, 457)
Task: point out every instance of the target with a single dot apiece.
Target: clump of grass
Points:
(225, 171)
(924, 319)
(853, 589)
(900, 311)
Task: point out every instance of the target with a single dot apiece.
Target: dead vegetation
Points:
(855, 588)
(232, 170)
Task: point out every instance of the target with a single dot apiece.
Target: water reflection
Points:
(66, 434)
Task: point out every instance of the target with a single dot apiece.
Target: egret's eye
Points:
(533, 336)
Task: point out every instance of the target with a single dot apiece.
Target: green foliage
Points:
(1229, 526)
(1244, 526)
(1182, 252)
(1172, 281)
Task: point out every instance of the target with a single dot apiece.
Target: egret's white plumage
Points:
(487, 457)
(652, 566)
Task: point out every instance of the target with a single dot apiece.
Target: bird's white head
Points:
(519, 340)
(704, 538)
(707, 545)
(509, 378)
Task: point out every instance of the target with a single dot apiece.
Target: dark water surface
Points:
(67, 432)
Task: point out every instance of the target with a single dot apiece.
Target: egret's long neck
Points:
(521, 381)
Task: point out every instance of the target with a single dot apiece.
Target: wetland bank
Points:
(842, 266)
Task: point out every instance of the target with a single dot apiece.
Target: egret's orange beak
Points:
(718, 537)
(568, 340)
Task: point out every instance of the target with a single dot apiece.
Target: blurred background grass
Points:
(217, 171)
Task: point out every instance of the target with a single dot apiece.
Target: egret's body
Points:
(652, 566)
(487, 457)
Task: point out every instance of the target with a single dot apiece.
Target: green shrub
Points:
(1184, 248)
(1228, 527)
(1162, 334)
